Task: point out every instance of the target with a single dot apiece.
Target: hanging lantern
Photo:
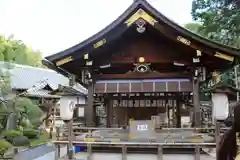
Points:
(67, 106)
(220, 106)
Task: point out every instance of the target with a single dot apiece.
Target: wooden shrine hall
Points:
(141, 65)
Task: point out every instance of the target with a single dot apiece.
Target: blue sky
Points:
(54, 25)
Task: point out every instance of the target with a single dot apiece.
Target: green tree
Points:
(5, 86)
(16, 51)
(28, 111)
(194, 27)
(220, 20)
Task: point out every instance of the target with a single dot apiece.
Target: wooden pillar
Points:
(127, 110)
(174, 106)
(94, 115)
(109, 112)
(90, 108)
(53, 127)
(178, 114)
(72, 81)
(54, 114)
(196, 103)
(168, 114)
(217, 136)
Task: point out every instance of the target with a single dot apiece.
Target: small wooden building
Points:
(141, 65)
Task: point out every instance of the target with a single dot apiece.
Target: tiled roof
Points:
(2, 100)
(41, 93)
(25, 77)
(67, 90)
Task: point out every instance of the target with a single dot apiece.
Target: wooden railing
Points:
(90, 143)
(82, 130)
(158, 146)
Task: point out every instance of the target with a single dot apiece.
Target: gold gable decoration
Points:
(224, 56)
(64, 61)
(140, 14)
(184, 40)
(99, 43)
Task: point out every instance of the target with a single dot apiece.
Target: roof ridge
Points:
(25, 66)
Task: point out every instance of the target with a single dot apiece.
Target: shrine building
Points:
(143, 65)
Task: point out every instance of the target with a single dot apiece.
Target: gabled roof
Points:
(68, 90)
(25, 77)
(41, 94)
(138, 9)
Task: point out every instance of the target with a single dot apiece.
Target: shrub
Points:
(30, 133)
(9, 135)
(4, 146)
(25, 123)
(20, 141)
(32, 111)
(37, 122)
(1, 127)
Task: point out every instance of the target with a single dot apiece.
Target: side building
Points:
(39, 85)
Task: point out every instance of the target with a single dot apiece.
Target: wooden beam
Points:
(131, 60)
(122, 60)
(144, 97)
(135, 75)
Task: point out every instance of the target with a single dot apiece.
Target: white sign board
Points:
(220, 103)
(142, 127)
